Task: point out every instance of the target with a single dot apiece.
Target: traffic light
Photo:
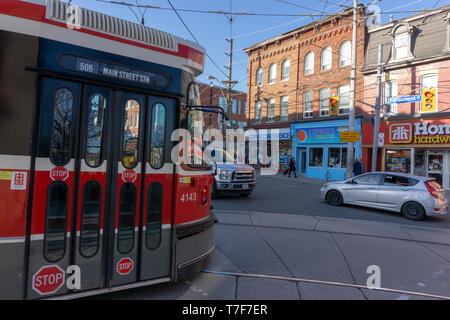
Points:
(429, 100)
(334, 106)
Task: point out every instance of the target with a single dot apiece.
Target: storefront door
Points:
(435, 165)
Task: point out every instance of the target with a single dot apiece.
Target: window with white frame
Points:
(345, 54)
(271, 110)
(309, 63)
(324, 98)
(284, 108)
(308, 104)
(272, 73)
(325, 59)
(258, 111)
(429, 82)
(259, 77)
(344, 99)
(390, 91)
(401, 45)
(285, 69)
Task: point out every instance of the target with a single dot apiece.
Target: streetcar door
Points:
(93, 185)
(157, 193)
(129, 136)
(53, 188)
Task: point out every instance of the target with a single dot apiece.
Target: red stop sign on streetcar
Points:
(124, 266)
(59, 173)
(48, 279)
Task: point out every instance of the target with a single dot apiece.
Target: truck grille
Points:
(243, 176)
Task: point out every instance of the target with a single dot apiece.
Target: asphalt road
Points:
(280, 194)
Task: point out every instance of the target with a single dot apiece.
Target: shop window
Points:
(308, 104)
(130, 143)
(309, 63)
(337, 158)
(398, 160)
(419, 162)
(391, 180)
(271, 110)
(285, 69)
(158, 136)
(316, 157)
(272, 73)
(61, 139)
(344, 99)
(284, 108)
(95, 129)
(324, 102)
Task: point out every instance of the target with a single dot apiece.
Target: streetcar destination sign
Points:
(405, 99)
(112, 70)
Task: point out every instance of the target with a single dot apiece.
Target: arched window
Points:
(401, 36)
(309, 63)
(325, 59)
(259, 77)
(285, 69)
(272, 73)
(345, 54)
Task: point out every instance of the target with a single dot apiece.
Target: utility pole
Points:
(376, 125)
(230, 82)
(351, 115)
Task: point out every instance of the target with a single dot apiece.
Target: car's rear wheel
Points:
(413, 210)
(334, 198)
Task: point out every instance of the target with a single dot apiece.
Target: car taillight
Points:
(204, 196)
(431, 190)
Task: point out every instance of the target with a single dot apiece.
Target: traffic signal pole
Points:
(351, 114)
(376, 124)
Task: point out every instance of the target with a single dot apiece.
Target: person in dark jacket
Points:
(357, 168)
(292, 167)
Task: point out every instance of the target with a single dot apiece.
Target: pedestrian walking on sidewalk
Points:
(357, 168)
(292, 167)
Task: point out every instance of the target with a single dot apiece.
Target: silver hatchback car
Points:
(413, 196)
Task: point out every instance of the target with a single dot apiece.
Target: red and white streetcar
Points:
(88, 103)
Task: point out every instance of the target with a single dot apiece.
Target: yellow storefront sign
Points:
(349, 136)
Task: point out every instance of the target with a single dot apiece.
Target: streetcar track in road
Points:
(331, 283)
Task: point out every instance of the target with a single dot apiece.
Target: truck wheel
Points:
(215, 193)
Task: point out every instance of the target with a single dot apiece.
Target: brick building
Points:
(216, 96)
(290, 80)
(416, 59)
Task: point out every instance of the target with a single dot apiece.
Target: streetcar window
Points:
(56, 220)
(157, 136)
(91, 207)
(154, 215)
(94, 137)
(61, 138)
(127, 211)
(130, 146)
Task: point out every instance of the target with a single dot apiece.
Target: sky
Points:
(212, 29)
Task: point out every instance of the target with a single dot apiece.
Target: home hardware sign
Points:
(425, 132)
